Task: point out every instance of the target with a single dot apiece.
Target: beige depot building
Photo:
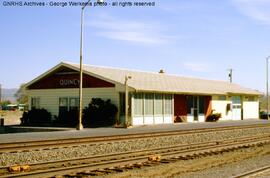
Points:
(154, 98)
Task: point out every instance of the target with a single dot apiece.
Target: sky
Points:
(198, 38)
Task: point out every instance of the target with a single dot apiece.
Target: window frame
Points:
(35, 102)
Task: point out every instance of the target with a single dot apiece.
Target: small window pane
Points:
(158, 104)
(63, 102)
(251, 98)
(201, 104)
(35, 103)
(148, 104)
(63, 105)
(138, 104)
(122, 104)
(190, 103)
(222, 97)
(73, 103)
(168, 104)
(236, 100)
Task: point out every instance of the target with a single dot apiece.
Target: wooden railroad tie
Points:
(17, 168)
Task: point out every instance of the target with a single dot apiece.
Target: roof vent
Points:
(161, 71)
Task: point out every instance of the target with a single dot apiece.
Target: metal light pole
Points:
(267, 100)
(126, 100)
(80, 126)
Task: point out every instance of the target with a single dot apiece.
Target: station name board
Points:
(69, 82)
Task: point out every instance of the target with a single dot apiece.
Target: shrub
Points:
(67, 118)
(36, 117)
(213, 117)
(99, 113)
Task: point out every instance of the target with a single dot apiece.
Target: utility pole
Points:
(230, 75)
(80, 126)
(0, 93)
(126, 100)
(267, 97)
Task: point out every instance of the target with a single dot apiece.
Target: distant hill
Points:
(8, 94)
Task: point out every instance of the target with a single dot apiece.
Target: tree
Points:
(21, 95)
(4, 103)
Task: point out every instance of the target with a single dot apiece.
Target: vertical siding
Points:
(49, 98)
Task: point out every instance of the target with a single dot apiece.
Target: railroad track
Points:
(127, 160)
(75, 142)
(253, 173)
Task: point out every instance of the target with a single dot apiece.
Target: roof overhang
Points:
(63, 64)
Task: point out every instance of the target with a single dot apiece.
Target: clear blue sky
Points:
(185, 37)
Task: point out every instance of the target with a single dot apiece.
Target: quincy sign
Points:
(69, 82)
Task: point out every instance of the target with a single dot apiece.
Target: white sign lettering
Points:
(69, 82)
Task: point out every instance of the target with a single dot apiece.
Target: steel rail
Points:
(60, 143)
(252, 172)
(129, 157)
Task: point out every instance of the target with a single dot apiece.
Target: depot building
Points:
(154, 98)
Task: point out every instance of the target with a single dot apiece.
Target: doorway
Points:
(196, 107)
(236, 108)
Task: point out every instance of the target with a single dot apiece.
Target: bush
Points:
(99, 113)
(263, 115)
(214, 117)
(36, 117)
(67, 118)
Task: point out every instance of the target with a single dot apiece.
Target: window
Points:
(73, 103)
(138, 104)
(251, 98)
(167, 104)
(236, 100)
(66, 104)
(189, 103)
(158, 104)
(197, 103)
(122, 104)
(35, 103)
(63, 105)
(222, 97)
(201, 104)
(148, 104)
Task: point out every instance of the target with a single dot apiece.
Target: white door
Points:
(236, 112)
(236, 108)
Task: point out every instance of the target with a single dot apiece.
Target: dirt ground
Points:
(11, 117)
(183, 168)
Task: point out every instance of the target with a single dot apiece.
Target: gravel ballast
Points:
(8, 159)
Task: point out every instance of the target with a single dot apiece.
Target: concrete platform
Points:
(88, 132)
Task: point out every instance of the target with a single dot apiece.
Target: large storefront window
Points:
(152, 108)
(149, 104)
